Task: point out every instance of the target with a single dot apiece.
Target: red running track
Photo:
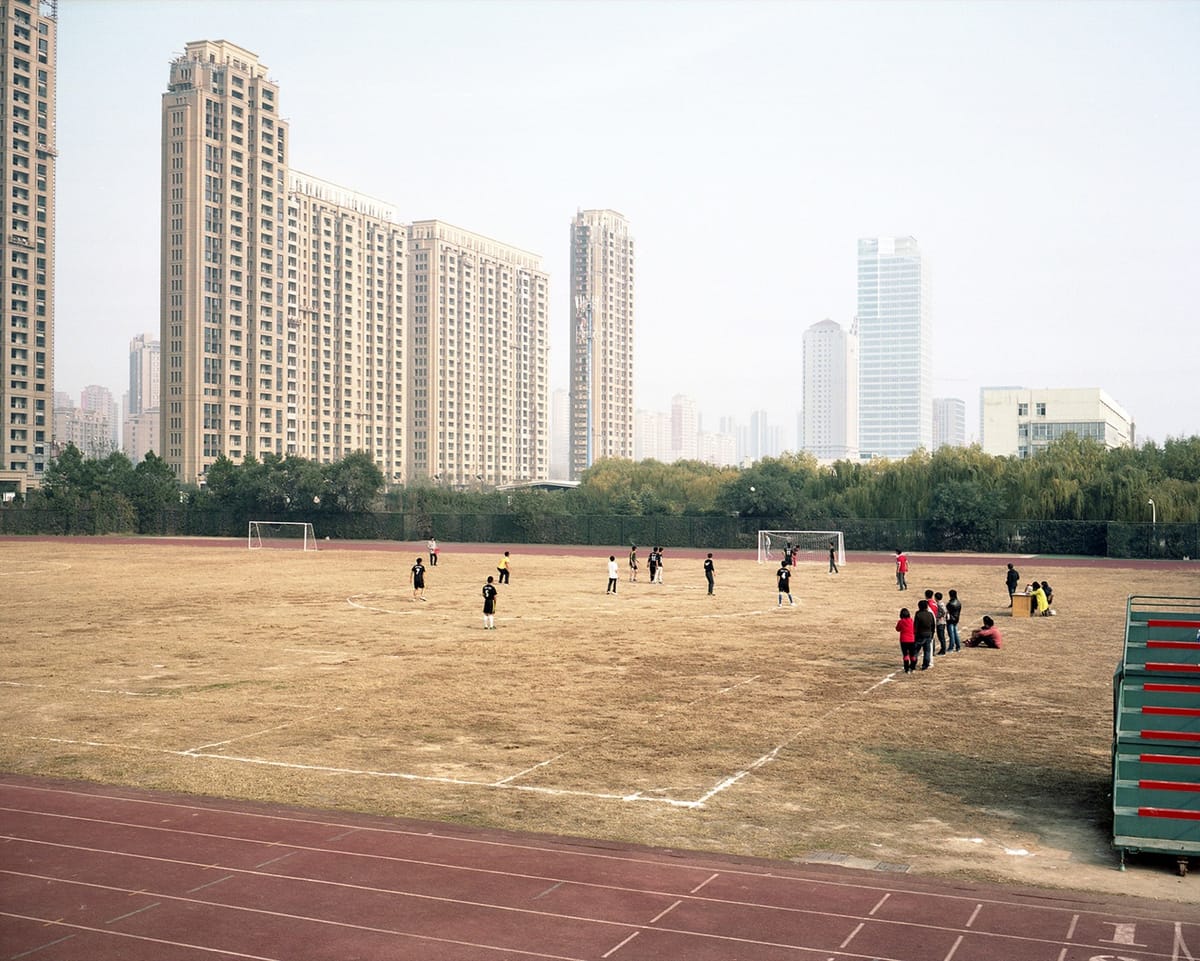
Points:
(92, 873)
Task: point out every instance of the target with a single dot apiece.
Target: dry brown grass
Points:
(317, 679)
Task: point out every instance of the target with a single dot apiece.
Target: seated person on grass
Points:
(986, 636)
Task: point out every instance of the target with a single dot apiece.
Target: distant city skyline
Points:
(786, 118)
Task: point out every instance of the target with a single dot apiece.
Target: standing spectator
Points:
(433, 551)
(784, 577)
(986, 636)
(612, 574)
(503, 568)
(633, 563)
(939, 619)
(923, 625)
(833, 568)
(908, 646)
(417, 577)
(901, 570)
(709, 573)
(489, 604)
(1011, 580)
(953, 613)
(652, 561)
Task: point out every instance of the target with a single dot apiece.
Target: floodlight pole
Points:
(1153, 512)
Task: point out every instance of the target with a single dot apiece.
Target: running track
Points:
(93, 873)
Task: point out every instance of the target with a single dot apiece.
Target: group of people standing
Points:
(935, 618)
(654, 561)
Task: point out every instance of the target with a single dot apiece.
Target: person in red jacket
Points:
(901, 570)
(908, 646)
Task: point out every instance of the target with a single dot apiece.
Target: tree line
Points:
(960, 488)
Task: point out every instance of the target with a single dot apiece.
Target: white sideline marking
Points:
(85, 690)
(277, 727)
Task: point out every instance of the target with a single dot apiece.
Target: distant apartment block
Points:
(949, 422)
(1015, 421)
(652, 436)
(28, 158)
(90, 426)
(140, 425)
(300, 317)
(560, 433)
(895, 341)
(99, 400)
(601, 339)
(830, 388)
(685, 428)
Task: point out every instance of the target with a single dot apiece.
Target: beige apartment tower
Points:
(345, 277)
(28, 31)
(224, 188)
(478, 351)
(601, 339)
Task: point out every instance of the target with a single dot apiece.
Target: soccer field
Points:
(659, 716)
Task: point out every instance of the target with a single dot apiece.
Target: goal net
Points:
(809, 546)
(281, 535)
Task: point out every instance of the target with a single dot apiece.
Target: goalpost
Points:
(812, 546)
(281, 535)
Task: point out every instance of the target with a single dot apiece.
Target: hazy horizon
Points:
(1046, 157)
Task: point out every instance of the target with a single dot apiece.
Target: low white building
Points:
(1020, 421)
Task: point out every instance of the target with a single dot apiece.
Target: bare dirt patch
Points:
(660, 716)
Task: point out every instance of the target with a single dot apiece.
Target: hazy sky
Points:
(1046, 156)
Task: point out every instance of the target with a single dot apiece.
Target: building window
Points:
(1022, 410)
(1041, 410)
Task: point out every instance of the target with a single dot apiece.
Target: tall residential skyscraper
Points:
(224, 186)
(830, 414)
(28, 157)
(601, 339)
(895, 340)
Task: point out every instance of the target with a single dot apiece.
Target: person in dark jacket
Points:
(923, 628)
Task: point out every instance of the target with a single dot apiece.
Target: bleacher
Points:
(1156, 730)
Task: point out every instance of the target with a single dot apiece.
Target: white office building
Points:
(949, 422)
(1016, 421)
(895, 343)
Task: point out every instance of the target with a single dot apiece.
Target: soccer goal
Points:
(809, 546)
(281, 535)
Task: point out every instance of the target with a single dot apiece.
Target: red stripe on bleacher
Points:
(1173, 688)
(1173, 711)
(1195, 624)
(1167, 759)
(1173, 668)
(1169, 813)
(1175, 645)
(1168, 786)
(1172, 735)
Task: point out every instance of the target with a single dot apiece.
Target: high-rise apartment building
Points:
(949, 422)
(685, 428)
(479, 347)
(344, 352)
(99, 400)
(224, 191)
(830, 371)
(301, 317)
(895, 342)
(601, 339)
(28, 157)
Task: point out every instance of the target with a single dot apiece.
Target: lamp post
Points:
(1153, 512)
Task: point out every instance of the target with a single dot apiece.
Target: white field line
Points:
(774, 752)
(277, 727)
(359, 772)
(370, 607)
(84, 690)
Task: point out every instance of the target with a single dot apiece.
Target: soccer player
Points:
(417, 576)
(833, 568)
(502, 567)
(709, 572)
(489, 604)
(652, 560)
(633, 563)
(612, 574)
(784, 576)
(901, 570)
